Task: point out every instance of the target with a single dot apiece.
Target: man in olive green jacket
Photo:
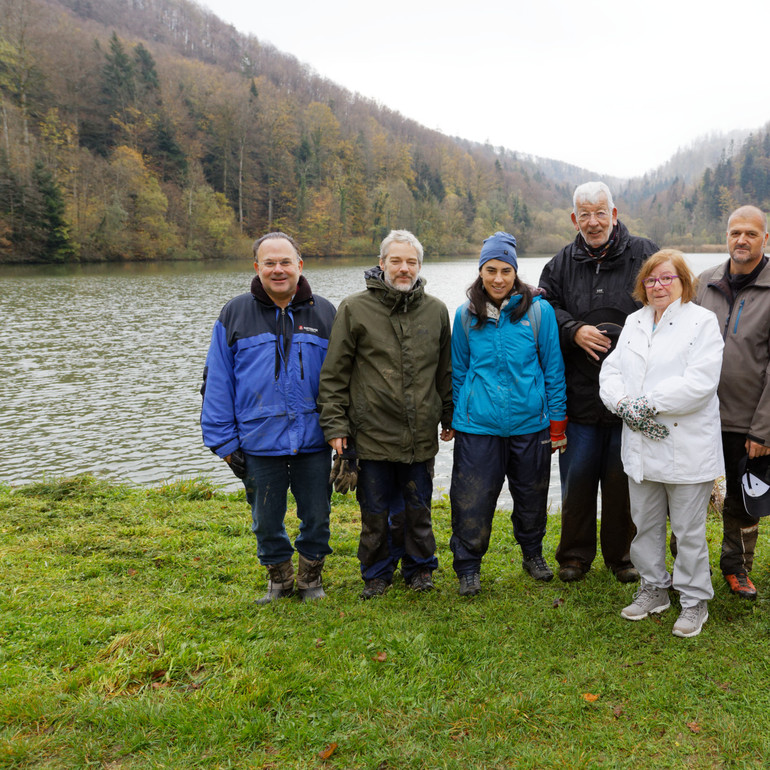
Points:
(386, 384)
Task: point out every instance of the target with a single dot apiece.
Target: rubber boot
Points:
(309, 585)
(280, 581)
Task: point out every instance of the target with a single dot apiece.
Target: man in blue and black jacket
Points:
(259, 413)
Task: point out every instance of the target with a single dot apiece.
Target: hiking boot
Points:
(691, 620)
(374, 587)
(280, 582)
(741, 585)
(647, 600)
(571, 572)
(627, 575)
(470, 585)
(422, 580)
(537, 567)
(309, 584)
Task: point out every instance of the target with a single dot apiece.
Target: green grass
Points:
(129, 639)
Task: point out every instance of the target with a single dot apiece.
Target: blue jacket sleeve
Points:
(552, 363)
(461, 354)
(220, 430)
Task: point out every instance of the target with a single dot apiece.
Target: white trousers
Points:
(686, 504)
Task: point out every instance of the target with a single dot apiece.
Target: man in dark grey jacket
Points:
(589, 283)
(739, 293)
(386, 384)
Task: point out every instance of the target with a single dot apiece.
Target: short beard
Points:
(390, 283)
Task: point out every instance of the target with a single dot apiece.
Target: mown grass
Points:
(129, 639)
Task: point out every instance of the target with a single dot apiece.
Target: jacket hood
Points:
(393, 298)
(620, 245)
(302, 294)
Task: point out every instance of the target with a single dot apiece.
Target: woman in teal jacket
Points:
(510, 412)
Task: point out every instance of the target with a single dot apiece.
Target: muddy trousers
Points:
(593, 458)
(383, 487)
(481, 465)
(740, 530)
(651, 505)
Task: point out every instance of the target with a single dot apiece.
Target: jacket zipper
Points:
(738, 316)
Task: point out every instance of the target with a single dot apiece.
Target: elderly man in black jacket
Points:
(589, 283)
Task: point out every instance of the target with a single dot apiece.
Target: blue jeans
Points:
(395, 500)
(267, 481)
(592, 458)
(481, 465)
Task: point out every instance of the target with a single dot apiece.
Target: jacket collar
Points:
(581, 254)
(393, 298)
(302, 294)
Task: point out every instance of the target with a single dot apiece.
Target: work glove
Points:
(558, 435)
(653, 429)
(344, 475)
(633, 410)
(637, 413)
(237, 463)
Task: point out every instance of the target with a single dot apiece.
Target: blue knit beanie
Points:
(500, 246)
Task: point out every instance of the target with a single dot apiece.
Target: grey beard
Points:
(390, 283)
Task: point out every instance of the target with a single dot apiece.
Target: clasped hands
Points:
(637, 413)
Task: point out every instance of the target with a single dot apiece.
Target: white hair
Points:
(590, 192)
(400, 236)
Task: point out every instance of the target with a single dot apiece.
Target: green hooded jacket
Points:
(387, 378)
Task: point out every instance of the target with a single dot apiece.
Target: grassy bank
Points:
(128, 639)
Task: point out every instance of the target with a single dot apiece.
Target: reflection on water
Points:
(102, 364)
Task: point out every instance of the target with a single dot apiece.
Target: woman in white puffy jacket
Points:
(662, 379)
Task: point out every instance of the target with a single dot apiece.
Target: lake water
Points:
(101, 364)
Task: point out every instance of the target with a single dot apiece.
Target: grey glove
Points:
(344, 475)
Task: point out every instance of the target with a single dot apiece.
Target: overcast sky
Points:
(615, 86)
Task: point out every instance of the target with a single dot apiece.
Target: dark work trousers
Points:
(593, 457)
(740, 530)
(481, 465)
(380, 485)
(396, 549)
(267, 481)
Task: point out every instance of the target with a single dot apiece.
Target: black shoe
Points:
(571, 572)
(537, 567)
(422, 581)
(374, 587)
(627, 575)
(470, 585)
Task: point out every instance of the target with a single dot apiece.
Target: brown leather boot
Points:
(280, 581)
(309, 585)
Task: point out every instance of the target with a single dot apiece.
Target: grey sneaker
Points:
(647, 600)
(537, 567)
(470, 585)
(691, 620)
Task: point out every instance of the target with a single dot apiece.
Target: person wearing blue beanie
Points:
(500, 246)
(510, 412)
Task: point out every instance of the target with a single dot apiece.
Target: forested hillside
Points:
(690, 214)
(149, 129)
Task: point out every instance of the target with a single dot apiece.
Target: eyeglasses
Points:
(663, 280)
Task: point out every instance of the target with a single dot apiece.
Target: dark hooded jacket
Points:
(387, 378)
(584, 291)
